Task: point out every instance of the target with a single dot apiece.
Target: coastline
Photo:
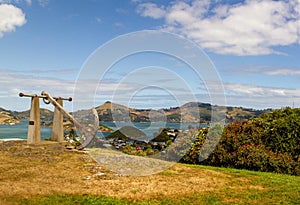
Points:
(12, 139)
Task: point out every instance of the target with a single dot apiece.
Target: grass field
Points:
(47, 174)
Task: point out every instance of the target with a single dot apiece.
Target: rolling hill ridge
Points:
(193, 112)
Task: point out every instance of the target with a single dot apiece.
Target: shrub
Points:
(270, 143)
(194, 152)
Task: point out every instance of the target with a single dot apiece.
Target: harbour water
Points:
(149, 128)
(20, 130)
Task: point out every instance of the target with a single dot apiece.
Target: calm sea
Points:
(20, 130)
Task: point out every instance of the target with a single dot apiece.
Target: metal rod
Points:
(88, 132)
(41, 96)
(60, 108)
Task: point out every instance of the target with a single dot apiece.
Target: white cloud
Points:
(151, 10)
(261, 97)
(244, 90)
(253, 90)
(28, 2)
(119, 24)
(283, 71)
(236, 94)
(252, 27)
(267, 70)
(14, 84)
(10, 18)
(99, 20)
(9, 1)
(28, 84)
(43, 3)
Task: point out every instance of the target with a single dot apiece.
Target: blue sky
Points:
(254, 46)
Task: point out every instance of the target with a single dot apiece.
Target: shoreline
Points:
(12, 139)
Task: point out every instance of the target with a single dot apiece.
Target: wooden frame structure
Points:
(34, 133)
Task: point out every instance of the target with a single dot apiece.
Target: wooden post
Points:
(89, 132)
(57, 129)
(34, 133)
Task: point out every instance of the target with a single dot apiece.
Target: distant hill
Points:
(7, 118)
(109, 112)
(10, 117)
(127, 133)
(45, 114)
(189, 112)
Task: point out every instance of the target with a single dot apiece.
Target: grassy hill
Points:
(192, 112)
(45, 114)
(7, 118)
(189, 112)
(126, 133)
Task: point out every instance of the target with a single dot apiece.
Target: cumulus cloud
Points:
(22, 83)
(251, 27)
(14, 1)
(254, 90)
(33, 82)
(255, 96)
(10, 18)
(151, 10)
(43, 3)
(266, 70)
(245, 95)
(283, 71)
(14, 84)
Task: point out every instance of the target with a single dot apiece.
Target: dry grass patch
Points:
(31, 171)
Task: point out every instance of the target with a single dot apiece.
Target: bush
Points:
(194, 152)
(269, 143)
